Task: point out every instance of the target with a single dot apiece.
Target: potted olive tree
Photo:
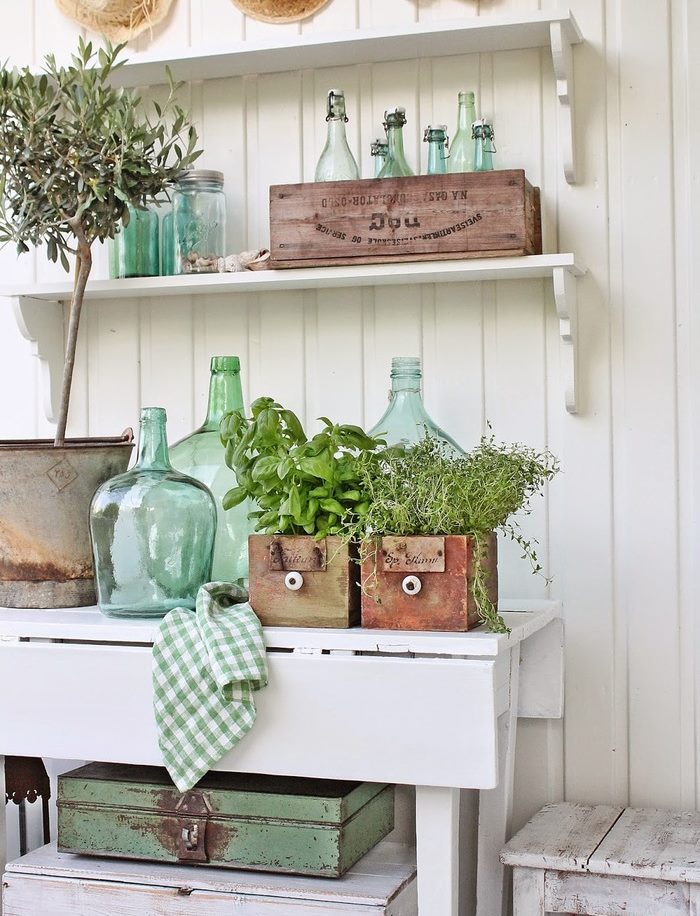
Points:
(75, 152)
(303, 568)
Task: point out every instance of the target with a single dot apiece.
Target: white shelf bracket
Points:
(564, 74)
(565, 298)
(41, 323)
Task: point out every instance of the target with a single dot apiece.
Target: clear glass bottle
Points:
(395, 165)
(152, 530)
(436, 138)
(167, 245)
(484, 147)
(379, 150)
(406, 420)
(134, 250)
(199, 208)
(201, 455)
(462, 146)
(337, 162)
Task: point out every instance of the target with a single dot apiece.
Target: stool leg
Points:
(528, 892)
(694, 900)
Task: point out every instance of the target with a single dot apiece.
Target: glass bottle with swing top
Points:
(337, 162)
(436, 138)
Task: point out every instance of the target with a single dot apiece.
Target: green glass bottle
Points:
(134, 251)
(436, 138)
(395, 165)
(406, 420)
(462, 146)
(152, 530)
(336, 162)
(484, 147)
(202, 455)
(167, 245)
(379, 150)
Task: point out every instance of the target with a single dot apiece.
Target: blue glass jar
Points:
(199, 214)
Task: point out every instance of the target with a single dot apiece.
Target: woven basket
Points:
(280, 10)
(118, 20)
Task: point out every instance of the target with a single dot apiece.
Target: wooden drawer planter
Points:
(424, 583)
(265, 823)
(50, 883)
(300, 582)
(422, 218)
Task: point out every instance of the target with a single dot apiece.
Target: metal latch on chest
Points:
(193, 812)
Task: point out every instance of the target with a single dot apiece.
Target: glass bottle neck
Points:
(466, 115)
(225, 395)
(406, 384)
(153, 444)
(395, 140)
(336, 132)
(436, 157)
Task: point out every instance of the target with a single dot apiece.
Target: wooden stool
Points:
(602, 860)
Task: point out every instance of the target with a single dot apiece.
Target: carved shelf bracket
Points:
(41, 322)
(565, 298)
(562, 38)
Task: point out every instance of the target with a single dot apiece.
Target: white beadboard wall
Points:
(617, 529)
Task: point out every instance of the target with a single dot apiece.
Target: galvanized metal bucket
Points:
(45, 493)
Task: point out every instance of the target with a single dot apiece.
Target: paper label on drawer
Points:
(414, 554)
(298, 554)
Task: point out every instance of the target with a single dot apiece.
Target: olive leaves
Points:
(300, 485)
(75, 151)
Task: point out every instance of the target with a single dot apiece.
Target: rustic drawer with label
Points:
(275, 823)
(50, 883)
(425, 217)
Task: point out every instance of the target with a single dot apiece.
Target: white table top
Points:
(89, 625)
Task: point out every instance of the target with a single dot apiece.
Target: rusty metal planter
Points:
(266, 823)
(45, 493)
(424, 583)
(296, 581)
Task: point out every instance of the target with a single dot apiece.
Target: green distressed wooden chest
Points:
(268, 823)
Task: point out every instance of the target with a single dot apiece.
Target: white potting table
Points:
(433, 710)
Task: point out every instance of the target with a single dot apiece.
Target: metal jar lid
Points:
(194, 175)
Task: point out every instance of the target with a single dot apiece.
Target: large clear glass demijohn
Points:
(406, 421)
(152, 531)
(202, 455)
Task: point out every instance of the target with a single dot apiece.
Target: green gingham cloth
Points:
(206, 666)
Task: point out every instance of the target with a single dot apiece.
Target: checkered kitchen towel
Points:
(206, 666)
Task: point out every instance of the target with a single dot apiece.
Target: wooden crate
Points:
(444, 569)
(422, 218)
(50, 883)
(231, 820)
(329, 595)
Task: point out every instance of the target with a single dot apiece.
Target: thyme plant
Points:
(75, 151)
(427, 490)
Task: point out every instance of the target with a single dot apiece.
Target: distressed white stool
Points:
(606, 861)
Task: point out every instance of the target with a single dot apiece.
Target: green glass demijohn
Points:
(406, 421)
(202, 455)
(152, 531)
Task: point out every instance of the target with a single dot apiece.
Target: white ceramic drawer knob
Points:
(411, 585)
(294, 581)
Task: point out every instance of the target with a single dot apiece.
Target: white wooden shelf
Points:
(469, 34)
(39, 309)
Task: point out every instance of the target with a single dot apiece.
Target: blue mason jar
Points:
(199, 216)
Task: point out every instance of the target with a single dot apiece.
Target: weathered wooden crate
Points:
(424, 583)
(50, 883)
(300, 582)
(265, 823)
(426, 217)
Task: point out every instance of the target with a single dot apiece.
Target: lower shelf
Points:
(48, 882)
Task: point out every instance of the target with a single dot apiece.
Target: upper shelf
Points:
(39, 309)
(466, 35)
(268, 281)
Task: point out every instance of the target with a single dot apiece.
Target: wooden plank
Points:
(613, 896)
(374, 880)
(541, 693)
(437, 849)
(528, 892)
(652, 843)
(561, 836)
(316, 717)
